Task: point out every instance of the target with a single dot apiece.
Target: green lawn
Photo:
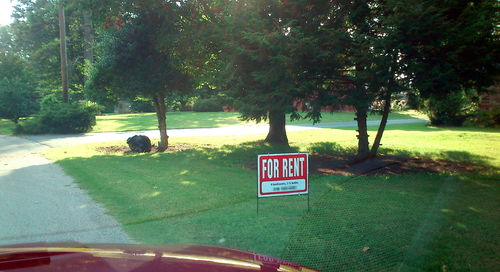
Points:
(176, 120)
(147, 121)
(431, 222)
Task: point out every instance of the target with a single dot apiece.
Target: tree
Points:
(354, 64)
(7, 43)
(261, 53)
(449, 51)
(141, 59)
(448, 46)
(63, 55)
(392, 45)
(36, 36)
(18, 97)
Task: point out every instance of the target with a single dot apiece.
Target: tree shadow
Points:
(175, 120)
(244, 154)
(330, 148)
(450, 155)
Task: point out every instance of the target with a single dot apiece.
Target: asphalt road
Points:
(40, 203)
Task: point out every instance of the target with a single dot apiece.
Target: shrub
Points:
(450, 110)
(94, 107)
(59, 118)
(142, 105)
(484, 118)
(207, 105)
(49, 101)
(29, 126)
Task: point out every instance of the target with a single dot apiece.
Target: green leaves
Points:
(141, 58)
(18, 97)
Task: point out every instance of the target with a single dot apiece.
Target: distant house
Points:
(123, 106)
(228, 108)
(492, 98)
(303, 106)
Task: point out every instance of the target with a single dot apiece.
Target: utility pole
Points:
(63, 53)
(88, 37)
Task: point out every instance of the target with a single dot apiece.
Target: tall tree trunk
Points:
(159, 103)
(277, 130)
(383, 122)
(88, 36)
(63, 54)
(363, 145)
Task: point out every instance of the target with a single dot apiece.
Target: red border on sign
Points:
(304, 176)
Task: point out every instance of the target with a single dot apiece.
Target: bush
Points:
(50, 101)
(212, 104)
(451, 110)
(59, 118)
(484, 118)
(142, 105)
(95, 108)
(179, 104)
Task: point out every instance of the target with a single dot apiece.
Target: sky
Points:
(5, 11)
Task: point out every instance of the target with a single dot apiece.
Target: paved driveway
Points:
(40, 203)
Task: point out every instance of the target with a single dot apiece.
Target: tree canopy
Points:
(18, 96)
(141, 59)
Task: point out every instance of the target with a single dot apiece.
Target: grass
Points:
(207, 196)
(408, 223)
(147, 121)
(177, 120)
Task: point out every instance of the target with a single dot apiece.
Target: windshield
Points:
(334, 135)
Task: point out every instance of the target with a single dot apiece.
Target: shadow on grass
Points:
(175, 120)
(452, 155)
(419, 223)
(330, 148)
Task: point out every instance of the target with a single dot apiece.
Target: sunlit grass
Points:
(147, 121)
(179, 120)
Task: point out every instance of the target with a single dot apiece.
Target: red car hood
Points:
(120, 257)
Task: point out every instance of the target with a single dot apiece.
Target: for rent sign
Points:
(282, 174)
